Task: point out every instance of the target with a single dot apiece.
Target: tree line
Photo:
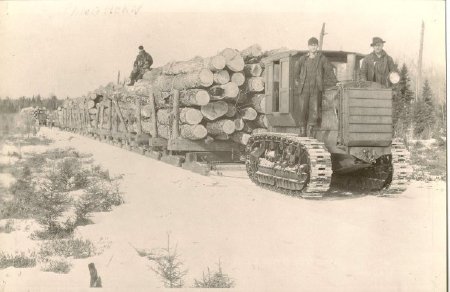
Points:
(420, 118)
(8, 105)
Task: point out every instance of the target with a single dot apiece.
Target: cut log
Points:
(214, 110)
(214, 64)
(239, 124)
(248, 113)
(231, 110)
(193, 132)
(255, 84)
(234, 60)
(258, 102)
(202, 78)
(230, 90)
(220, 127)
(152, 74)
(254, 51)
(191, 97)
(147, 127)
(240, 137)
(216, 92)
(90, 104)
(221, 77)
(141, 87)
(92, 111)
(190, 116)
(238, 78)
(253, 70)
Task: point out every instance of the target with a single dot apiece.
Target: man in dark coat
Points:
(377, 65)
(141, 65)
(315, 74)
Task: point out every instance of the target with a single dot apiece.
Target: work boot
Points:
(302, 131)
(310, 131)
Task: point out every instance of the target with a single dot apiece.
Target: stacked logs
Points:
(220, 98)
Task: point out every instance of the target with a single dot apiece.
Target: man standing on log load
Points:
(377, 65)
(315, 73)
(142, 64)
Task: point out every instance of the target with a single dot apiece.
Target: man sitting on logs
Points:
(142, 64)
(315, 72)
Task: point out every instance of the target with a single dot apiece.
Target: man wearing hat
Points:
(142, 64)
(314, 74)
(377, 65)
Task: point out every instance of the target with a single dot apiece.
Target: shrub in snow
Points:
(214, 279)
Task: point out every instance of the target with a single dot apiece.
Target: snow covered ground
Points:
(265, 241)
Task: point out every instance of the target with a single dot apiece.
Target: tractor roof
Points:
(339, 56)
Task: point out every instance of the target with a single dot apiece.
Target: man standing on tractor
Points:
(377, 65)
(315, 73)
(142, 64)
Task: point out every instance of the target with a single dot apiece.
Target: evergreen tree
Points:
(425, 113)
(402, 99)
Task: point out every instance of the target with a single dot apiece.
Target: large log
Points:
(141, 87)
(202, 78)
(248, 113)
(214, 110)
(230, 90)
(216, 92)
(253, 70)
(214, 63)
(258, 102)
(234, 60)
(240, 137)
(252, 52)
(238, 78)
(221, 77)
(193, 132)
(196, 97)
(90, 104)
(152, 74)
(255, 84)
(220, 127)
(187, 115)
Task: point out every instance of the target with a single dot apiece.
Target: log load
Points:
(255, 84)
(253, 70)
(234, 60)
(146, 111)
(248, 113)
(258, 102)
(187, 115)
(240, 137)
(152, 75)
(220, 127)
(221, 77)
(202, 78)
(214, 64)
(238, 78)
(193, 132)
(214, 110)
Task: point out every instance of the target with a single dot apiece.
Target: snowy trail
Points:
(265, 241)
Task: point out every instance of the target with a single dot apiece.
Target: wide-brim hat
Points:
(376, 40)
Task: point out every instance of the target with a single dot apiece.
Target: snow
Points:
(265, 241)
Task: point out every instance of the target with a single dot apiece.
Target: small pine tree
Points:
(170, 268)
(216, 279)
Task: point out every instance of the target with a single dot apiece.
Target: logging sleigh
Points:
(197, 114)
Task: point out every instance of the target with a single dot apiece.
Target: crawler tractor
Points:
(352, 147)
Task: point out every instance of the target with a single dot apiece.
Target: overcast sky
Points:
(69, 48)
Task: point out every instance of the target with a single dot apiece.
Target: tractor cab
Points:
(282, 95)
